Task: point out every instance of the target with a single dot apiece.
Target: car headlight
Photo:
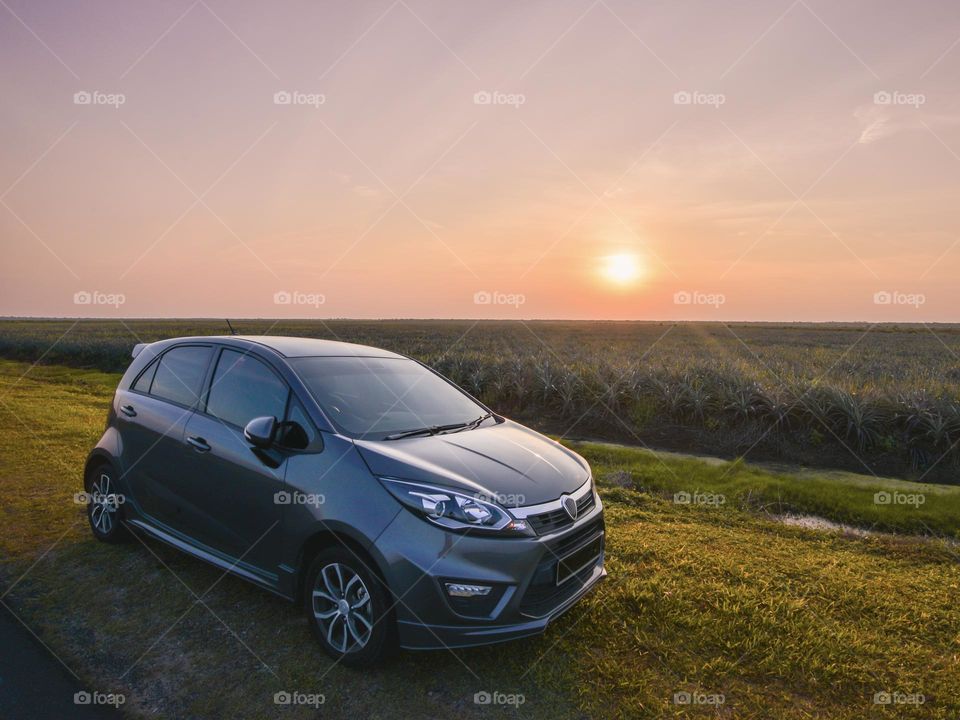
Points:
(455, 510)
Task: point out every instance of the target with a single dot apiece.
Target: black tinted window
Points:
(180, 374)
(368, 397)
(146, 377)
(244, 388)
(297, 432)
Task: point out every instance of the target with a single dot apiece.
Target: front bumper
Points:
(419, 558)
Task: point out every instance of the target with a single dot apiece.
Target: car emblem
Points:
(570, 505)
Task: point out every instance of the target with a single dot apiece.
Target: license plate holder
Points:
(584, 556)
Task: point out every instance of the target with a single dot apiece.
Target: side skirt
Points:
(227, 564)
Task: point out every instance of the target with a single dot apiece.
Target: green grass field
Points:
(711, 599)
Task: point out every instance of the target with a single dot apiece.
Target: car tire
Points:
(105, 505)
(348, 608)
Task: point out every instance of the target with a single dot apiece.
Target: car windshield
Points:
(374, 398)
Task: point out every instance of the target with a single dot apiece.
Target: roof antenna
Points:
(232, 331)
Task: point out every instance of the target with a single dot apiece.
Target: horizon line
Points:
(215, 318)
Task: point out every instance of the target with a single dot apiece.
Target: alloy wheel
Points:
(104, 504)
(342, 607)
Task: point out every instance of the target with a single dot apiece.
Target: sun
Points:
(621, 269)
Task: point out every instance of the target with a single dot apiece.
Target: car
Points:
(399, 510)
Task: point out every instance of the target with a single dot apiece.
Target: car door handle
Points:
(199, 444)
(128, 410)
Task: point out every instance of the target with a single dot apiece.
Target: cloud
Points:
(875, 122)
(878, 122)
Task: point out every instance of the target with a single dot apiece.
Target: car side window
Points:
(244, 388)
(180, 374)
(146, 377)
(297, 432)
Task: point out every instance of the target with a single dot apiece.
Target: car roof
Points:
(294, 347)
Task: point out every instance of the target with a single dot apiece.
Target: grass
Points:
(722, 600)
(841, 497)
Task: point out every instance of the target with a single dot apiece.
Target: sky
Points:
(590, 159)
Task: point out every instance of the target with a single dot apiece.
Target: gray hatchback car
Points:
(397, 508)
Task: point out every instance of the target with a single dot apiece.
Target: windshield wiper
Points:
(473, 424)
(426, 431)
(437, 429)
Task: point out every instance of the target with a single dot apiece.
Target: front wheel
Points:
(104, 505)
(348, 608)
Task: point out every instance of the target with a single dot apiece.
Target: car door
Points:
(151, 417)
(233, 486)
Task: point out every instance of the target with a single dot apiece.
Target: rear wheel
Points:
(104, 505)
(348, 609)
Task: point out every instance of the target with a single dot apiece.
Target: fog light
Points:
(462, 590)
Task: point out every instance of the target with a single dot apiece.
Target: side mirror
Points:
(260, 431)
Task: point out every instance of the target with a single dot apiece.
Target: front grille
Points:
(548, 522)
(543, 594)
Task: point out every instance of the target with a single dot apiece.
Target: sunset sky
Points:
(609, 159)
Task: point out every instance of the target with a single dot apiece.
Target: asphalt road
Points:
(33, 683)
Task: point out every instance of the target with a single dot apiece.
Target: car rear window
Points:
(180, 374)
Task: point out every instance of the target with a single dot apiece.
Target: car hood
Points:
(506, 459)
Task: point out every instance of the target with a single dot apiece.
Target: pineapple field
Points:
(873, 399)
